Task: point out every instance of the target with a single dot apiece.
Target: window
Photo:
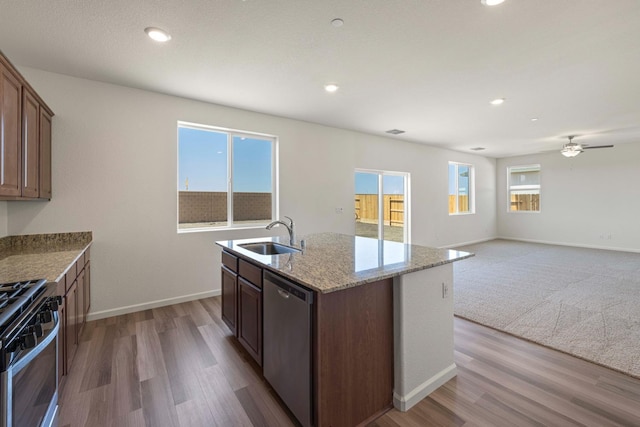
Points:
(461, 189)
(226, 178)
(524, 188)
(382, 205)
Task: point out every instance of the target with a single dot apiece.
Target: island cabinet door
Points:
(250, 318)
(354, 354)
(230, 299)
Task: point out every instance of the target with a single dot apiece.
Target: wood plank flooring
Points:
(179, 366)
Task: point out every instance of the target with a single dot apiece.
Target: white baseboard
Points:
(152, 304)
(404, 403)
(574, 245)
(471, 242)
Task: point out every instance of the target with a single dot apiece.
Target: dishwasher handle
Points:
(287, 289)
(284, 294)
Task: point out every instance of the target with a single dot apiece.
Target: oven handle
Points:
(46, 339)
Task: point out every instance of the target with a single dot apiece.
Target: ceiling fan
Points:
(572, 149)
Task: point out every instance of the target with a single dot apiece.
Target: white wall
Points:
(591, 200)
(115, 168)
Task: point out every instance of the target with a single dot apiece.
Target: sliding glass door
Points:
(382, 205)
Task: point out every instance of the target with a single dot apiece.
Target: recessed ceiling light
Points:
(337, 22)
(535, 119)
(491, 2)
(331, 87)
(497, 101)
(157, 34)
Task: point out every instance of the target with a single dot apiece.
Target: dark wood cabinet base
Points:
(354, 354)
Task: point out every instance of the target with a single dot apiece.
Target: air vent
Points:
(395, 131)
(478, 149)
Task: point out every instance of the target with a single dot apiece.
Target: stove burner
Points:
(17, 297)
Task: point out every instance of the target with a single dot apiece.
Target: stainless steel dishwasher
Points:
(287, 344)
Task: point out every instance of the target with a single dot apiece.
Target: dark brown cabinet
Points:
(30, 145)
(10, 117)
(25, 155)
(242, 302)
(45, 154)
(62, 312)
(70, 337)
(230, 299)
(76, 293)
(250, 318)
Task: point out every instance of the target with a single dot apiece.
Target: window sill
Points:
(221, 229)
(462, 213)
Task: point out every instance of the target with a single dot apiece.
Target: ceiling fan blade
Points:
(589, 147)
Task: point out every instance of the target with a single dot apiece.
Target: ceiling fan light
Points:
(571, 150)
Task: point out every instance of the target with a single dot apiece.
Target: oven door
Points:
(30, 384)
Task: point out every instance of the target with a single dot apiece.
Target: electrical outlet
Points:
(339, 210)
(445, 290)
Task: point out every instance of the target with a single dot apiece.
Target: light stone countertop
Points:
(331, 261)
(40, 256)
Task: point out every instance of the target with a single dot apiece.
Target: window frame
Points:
(539, 188)
(231, 134)
(472, 188)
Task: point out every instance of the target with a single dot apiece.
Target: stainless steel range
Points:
(28, 355)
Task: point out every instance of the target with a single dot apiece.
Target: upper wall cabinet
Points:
(25, 138)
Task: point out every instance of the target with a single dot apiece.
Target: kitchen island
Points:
(382, 318)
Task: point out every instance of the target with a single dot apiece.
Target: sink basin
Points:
(269, 248)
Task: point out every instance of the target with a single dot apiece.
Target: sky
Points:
(367, 183)
(202, 159)
(463, 179)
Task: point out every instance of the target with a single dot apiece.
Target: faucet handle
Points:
(289, 218)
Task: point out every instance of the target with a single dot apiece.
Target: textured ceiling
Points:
(429, 67)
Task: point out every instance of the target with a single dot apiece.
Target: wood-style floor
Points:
(179, 366)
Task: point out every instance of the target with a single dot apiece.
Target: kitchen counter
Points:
(406, 303)
(332, 262)
(37, 256)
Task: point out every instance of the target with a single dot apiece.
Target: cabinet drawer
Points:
(250, 272)
(230, 261)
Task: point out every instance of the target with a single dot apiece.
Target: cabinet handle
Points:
(283, 294)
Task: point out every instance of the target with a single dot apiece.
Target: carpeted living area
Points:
(585, 302)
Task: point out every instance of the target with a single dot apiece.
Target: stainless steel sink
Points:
(269, 248)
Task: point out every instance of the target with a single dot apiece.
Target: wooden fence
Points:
(366, 206)
(463, 203)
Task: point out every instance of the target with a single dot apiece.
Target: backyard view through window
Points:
(524, 188)
(460, 188)
(225, 178)
(381, 205)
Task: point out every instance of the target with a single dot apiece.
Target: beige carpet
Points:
(585, 302)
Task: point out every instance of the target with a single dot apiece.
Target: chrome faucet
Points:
(290, 229)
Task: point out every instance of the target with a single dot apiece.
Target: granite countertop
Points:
(38, 256)
(331, 261)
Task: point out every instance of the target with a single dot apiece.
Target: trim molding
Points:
(152, 304)
(575, 245)
(404, 403)
(472, 242)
